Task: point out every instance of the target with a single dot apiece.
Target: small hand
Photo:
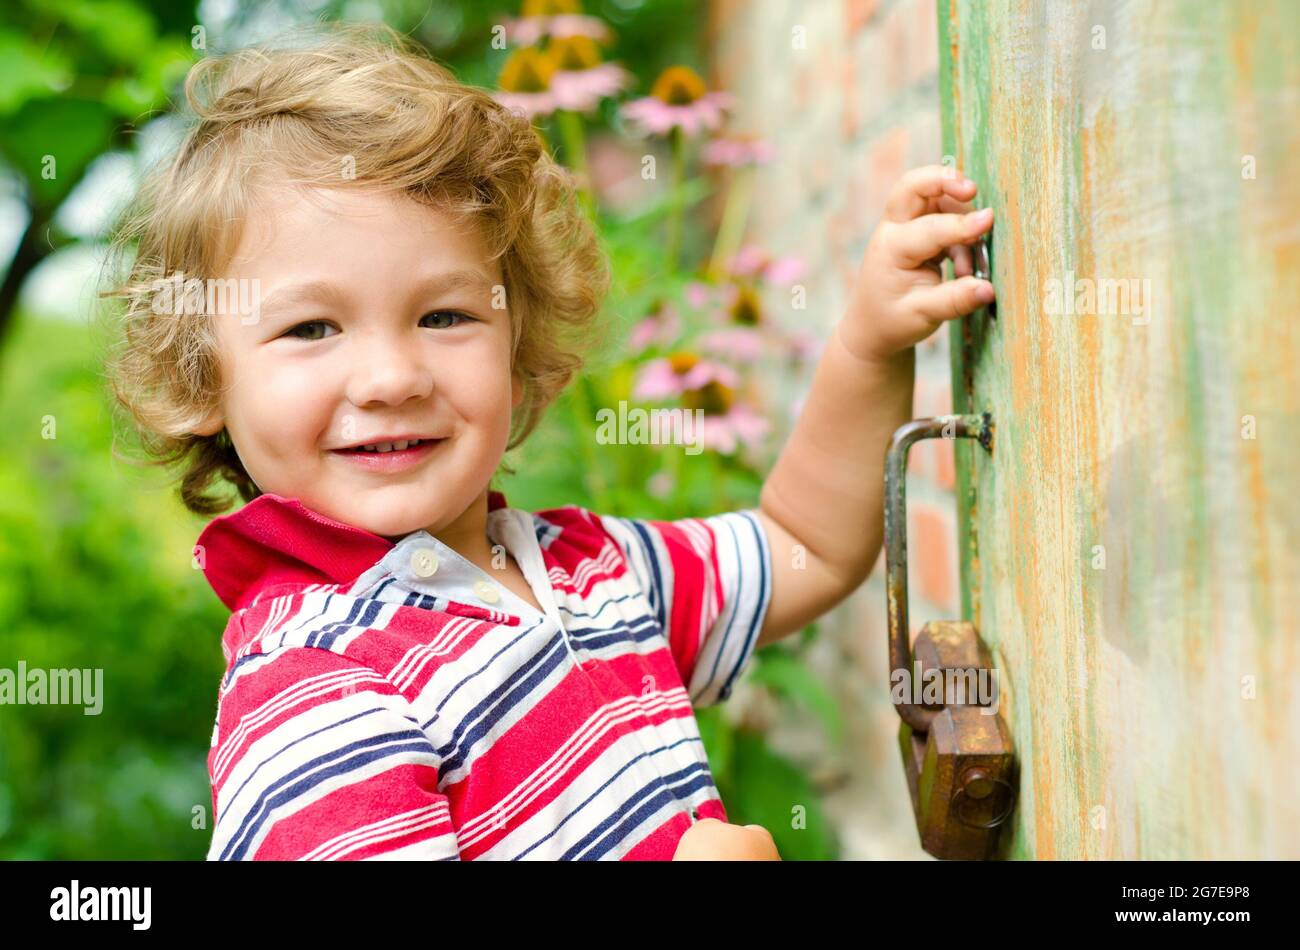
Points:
(712, 840)
(900, 296)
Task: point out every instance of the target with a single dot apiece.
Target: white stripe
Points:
(582, 740)
(387, 828)
(299, 692)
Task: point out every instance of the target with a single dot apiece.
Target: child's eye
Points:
(445, 319)
(311, 330)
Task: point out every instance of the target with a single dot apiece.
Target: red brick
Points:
(865, 642)
(934, 397)
(932, 553)
(896, 33)
(857, 13)
(945, 471)
(924, 25)
(886, 161)
(848, 101)
(919, 460)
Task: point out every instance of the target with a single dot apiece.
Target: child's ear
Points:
(210, 424)
(516, 390)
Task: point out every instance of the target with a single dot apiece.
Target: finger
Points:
(957, 186)
(912, 195)
(951, 299)
(963, 263)
(928, 236)
(950, 204)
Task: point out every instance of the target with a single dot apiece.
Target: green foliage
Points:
(95, 573)
(74, 74)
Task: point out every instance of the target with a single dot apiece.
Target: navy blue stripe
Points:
(620, 824)
(656, 591)
(336, 762)
(613, 778)
(471, 676)
(279, 630)
(759, 610)
(730, 600)
(499, 702)
(326, 728)
(368, 617)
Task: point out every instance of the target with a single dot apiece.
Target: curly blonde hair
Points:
(352, 105)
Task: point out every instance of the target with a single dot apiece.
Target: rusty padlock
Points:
(957, 753)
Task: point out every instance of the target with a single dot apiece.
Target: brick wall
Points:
(847, 91)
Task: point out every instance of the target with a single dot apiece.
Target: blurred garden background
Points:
(693, 130)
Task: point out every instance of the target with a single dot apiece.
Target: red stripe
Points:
(400, 789)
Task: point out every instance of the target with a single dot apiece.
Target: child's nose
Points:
(387, 371)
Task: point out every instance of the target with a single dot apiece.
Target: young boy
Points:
(416, 669)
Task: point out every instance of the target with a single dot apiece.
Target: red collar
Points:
(276, 540)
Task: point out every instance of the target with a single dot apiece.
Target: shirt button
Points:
(424, 562)
(486, 592)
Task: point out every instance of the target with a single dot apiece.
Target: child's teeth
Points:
(397, 446)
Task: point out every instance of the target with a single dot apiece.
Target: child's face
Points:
(353, 346)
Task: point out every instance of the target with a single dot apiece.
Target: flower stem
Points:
(675, 210)
(575, 151)
(732, 229)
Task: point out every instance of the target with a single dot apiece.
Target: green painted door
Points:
(1131, 547)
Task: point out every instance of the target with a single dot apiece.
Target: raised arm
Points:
(821, 505)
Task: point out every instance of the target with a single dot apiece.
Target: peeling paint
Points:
(1124, 432)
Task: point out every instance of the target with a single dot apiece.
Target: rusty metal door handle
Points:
(957, 752)
(949, 427)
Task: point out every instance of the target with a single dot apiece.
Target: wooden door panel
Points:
(1131, 548)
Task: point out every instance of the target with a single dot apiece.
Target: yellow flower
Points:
(747, 310)
(527, 70)
(679, 86)
(551, 7)
(574, 53)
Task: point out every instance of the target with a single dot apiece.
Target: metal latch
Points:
(957, 752)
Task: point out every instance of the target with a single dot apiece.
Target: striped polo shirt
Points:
(395, 701)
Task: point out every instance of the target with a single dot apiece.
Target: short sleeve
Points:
(709, 583)
(318, 757)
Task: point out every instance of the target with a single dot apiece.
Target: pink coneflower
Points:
(744, 306)
(710, 388)
(737, 152)
(740, 344)
(736, 302)
(724, 432)
(678, 99)
(580, 79)
(698, 294)
(753, 261)
(662, 326)
(555, 19)
(679, 374)
(525, 83)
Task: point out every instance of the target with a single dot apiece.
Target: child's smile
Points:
(391, 455)
(375, 385)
